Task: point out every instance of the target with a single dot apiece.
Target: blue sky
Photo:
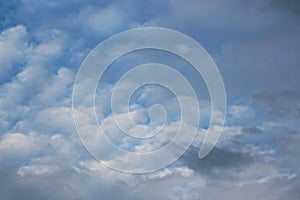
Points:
(255, 45)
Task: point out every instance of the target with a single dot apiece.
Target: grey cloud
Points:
(282, 104)
(290, 5)
(287, 142)
(251, 130)
(218, 160)
(261, 65)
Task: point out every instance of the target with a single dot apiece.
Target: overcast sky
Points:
(256, 46)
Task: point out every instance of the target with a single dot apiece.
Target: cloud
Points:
(16, 144)
(292, 5)
(255, 45)
(36, 170)
(283, 104)
(218, 161)
(13, 45)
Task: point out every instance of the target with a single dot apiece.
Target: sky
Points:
(256, 47)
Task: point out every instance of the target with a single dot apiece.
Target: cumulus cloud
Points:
(13, 46)
(17, 144)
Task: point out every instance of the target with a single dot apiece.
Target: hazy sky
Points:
(256, 46)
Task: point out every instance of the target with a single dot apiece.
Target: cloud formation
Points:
(256, 47)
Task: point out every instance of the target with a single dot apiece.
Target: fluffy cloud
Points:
(13, 45)
(17, 144)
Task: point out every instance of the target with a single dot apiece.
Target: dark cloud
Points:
(251, 130)
(219, 159)
(289, 5)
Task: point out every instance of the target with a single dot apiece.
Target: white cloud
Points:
(37, 170)
(56, 118)
(239, 111)
(20, 146)
(13, 46)
(103, 21)
(16, 143)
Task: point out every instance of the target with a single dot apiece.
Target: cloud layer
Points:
(256, 47)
